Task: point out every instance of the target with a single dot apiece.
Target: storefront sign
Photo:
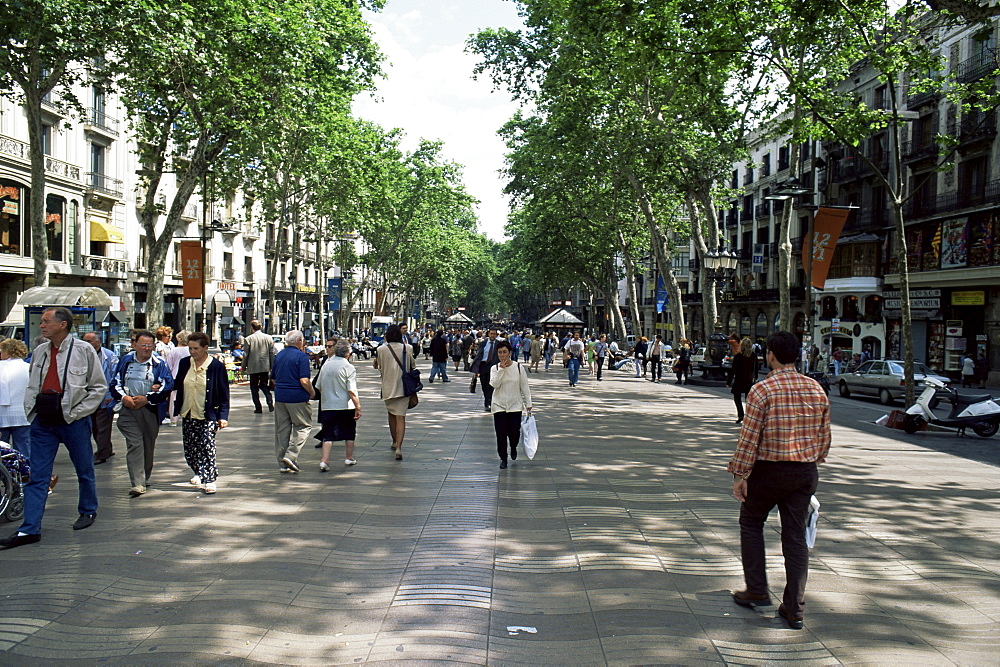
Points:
(844, 331)
(923, 304)
(819, 250)
(191, 268)
(972, 298)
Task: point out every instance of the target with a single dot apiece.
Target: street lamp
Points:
(787, 189)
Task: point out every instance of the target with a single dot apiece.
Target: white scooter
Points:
(981, 412)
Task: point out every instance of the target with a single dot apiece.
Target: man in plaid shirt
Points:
(785, 433)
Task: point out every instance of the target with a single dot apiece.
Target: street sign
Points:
(334, 288)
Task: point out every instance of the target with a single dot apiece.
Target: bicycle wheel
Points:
(7, 489)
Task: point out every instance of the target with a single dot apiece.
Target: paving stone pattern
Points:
(618, 544)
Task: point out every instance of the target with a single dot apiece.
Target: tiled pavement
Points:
(618, 544)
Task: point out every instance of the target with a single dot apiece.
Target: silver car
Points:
(883, 379)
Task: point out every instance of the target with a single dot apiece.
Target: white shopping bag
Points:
(529, 435)
(812, 518)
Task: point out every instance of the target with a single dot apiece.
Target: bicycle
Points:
(12, 479)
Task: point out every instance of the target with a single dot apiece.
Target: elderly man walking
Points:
(142, 382)
(258, 360)
(65, 385)
(785, 433)
(292, 392)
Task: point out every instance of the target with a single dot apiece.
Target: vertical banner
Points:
(334, 286)
(827, 226)
(661, 293)
(191, 269)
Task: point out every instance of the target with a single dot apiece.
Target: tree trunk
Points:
(785, 262)
(662, 251)
(36, 200)
(633, 300)
(710, 309)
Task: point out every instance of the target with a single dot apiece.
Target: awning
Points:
(103, 231)
(232, 321)
(116, 316)
(459, 318)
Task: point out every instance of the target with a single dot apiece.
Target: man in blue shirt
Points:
(292, 392)
(100, 421)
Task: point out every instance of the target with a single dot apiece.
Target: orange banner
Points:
(827, 226)
(191, 268)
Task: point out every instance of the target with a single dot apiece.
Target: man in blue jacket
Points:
(142, 383)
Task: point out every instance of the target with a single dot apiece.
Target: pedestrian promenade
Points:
(617, 545)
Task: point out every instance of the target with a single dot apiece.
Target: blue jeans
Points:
(548, 360)
(44, 447)
(574, 370)
(19, 438)
(439, 368)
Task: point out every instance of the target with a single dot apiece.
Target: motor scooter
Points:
(981, 412)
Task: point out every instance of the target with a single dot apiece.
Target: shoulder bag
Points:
(48, 405)
(411, 379)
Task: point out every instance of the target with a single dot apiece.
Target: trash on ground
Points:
(514, 630)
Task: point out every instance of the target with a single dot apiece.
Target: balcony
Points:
(98, 121)
(746, 215)
(762, 210)
(976, 126)
(976, 67)
(248, 277)
(732, 219)
(228, 274)
(94, 263)
(917, 99)
(62, 169)
(919, 149)
(190, 212)
(104, 185)
(844, 170)
(748, 177)
(250, 232)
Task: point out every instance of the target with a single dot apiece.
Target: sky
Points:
(428, 90)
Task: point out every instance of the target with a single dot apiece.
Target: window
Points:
(972, 180)
(178, 263)
(873, 308)
(227, 265)
(765, 166)
(15, 232)
(97, 158)
(143, 254)
(783, 158)
(46, 139)
(736, 179)
(850, 308)
(72, 230)
(828, 308)
(54, 226)
(881, 99)
(855, 260)
(248, 269)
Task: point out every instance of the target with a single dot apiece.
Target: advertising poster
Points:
(954, 243)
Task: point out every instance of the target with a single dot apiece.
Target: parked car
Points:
(884, 379)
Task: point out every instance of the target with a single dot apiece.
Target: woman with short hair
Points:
(14, 425)
(511, 397)
(202, 402)
(391, 359)
(339, 404)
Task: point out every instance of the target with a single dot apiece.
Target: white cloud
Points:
(429, 92)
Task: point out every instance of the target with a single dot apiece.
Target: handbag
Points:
(48, 405)
(411, 379)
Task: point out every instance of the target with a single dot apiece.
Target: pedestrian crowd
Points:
(72, 388)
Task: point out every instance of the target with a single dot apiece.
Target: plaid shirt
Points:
(787, 419)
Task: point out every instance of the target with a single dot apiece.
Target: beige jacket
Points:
(392, 374)
(85, 382)
(258, 353)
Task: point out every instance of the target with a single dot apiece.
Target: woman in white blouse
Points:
(339, 404)
(14, 426)
(511, 397)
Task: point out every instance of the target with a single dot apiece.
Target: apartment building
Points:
(952, 220)
(95, 238)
